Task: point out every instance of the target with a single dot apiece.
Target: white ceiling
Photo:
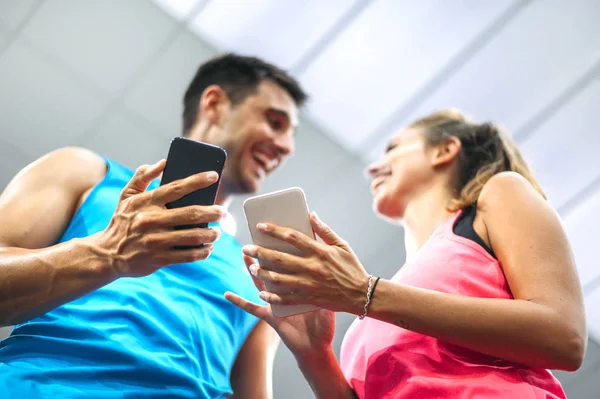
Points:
(109, 75)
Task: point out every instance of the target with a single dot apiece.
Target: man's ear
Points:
(445, 152)
(213, 104)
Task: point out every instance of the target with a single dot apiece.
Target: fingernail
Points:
(248, 250)
(212, 175)
(253, 270)
(261, 227)
(262, 295)
(217, 230)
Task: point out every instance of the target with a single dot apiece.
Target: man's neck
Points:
(223, 199)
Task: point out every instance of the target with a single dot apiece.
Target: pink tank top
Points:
(381, 360)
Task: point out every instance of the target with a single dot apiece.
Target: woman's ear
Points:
(213, 104)
(445, 152)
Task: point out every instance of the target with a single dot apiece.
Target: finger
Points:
(169, 257)
(274, 260)
(189, 215)
(258, 283)
(325, 232)
(290, 298)
(179, 188)
(262, 312)
(274, 279)
(183, 237)
(142, 178)
(294, 237)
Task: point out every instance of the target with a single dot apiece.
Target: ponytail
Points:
(486, 150)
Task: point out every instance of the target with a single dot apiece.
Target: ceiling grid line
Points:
(591, 286)
(13, 34)
(72, 73)
(530, 127)
(4, 144)
(198, 8)
(118, 101)
(329, 37)
(580, 197)
(471, 49)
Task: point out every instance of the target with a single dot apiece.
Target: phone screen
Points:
(187, 157)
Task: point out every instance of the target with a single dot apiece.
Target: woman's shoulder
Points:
(507, 190)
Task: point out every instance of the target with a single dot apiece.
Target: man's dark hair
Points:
(239, 76)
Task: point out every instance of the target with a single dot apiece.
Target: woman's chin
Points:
(384, 208)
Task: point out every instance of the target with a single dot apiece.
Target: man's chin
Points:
(248, 185)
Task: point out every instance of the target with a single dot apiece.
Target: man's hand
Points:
(140, 236)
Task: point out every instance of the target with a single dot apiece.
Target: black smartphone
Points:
(188, 157)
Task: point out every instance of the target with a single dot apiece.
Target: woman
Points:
(488, 300)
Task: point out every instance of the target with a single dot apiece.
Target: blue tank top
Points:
(169, 334)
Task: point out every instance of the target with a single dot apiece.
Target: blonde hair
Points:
(486, 150)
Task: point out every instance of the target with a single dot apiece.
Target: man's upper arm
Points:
(37, 205)
(252, 373)
(527, 236)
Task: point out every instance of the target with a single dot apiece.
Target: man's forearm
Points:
(35, 281)
(325, 377)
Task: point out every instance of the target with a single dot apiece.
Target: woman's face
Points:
(404, 169)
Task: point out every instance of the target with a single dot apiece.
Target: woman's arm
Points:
(325, 377)
(544, 326)
(521, 331)
(308, 336)
(301, 334)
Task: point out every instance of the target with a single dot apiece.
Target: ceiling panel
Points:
(136, 145)
(12, 160)
(41, 108)
(178, 9)
(582, 228)
(158, 94)
(272, 29)
(563, 152)
(4, 40)
(106, 44)
(390, 51)
(14, 12)
(511, 78)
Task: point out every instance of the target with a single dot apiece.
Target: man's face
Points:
(258, 135)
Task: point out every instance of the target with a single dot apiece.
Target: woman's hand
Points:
(328, 274)
(306, 335)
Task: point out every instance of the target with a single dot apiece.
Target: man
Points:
(85, 243)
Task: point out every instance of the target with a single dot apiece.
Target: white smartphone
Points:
(287, 208)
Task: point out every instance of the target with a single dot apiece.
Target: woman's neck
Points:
(423, 215)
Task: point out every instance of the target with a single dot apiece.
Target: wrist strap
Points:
(370, 290)
(374, 286)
